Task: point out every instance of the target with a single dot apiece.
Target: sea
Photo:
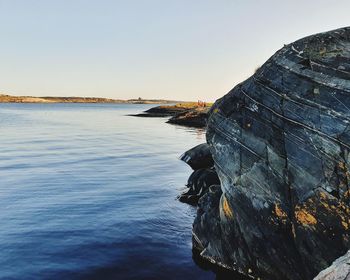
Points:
(89, 192)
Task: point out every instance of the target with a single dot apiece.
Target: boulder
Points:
(198, 184)
(198, 157)
(280, 142)
(339, 270)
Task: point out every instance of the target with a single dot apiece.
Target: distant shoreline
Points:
(192, 114)
(49, 99)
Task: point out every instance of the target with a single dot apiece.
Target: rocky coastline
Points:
(4, 98)
(186, 114)
(271, 184)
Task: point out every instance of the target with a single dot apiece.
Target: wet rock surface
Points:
(280, 142)
(339, 270)
(204, 175)
(198, 185)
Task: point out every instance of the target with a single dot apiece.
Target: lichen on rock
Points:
(280, 142)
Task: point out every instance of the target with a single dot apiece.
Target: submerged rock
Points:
(339, 270)
(280, 142)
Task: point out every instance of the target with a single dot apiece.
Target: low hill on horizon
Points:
(5, 98)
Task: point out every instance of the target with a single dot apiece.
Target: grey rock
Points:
(198, 185)
(280, 142)
(339, 270)
(198, 157)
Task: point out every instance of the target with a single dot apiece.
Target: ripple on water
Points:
(87, 192)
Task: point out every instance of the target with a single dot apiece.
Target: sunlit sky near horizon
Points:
(180, 49)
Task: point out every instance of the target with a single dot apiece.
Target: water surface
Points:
(88, 192)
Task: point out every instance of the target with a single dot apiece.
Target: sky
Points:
(172, 49)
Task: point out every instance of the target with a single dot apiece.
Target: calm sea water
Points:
(87, 192)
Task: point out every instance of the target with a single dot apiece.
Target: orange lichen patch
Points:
(345, 224)
(341, 165)
(347, 173)
(322, 195)
(304, 217)
(280, 213)
(347, 194)
(226, 208)
(324, 205)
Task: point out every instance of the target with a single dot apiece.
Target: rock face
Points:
(203, 176)
(339, 270)
(280, 142)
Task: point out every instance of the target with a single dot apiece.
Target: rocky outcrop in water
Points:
(161, 111)
(198, 185)
(198, 157)
(280, 142)
(193, 118)
(187, 114)
(203, 176)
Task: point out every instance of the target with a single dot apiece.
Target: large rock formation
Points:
(280, 142)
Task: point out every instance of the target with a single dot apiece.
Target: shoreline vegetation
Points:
(192, 114)
(4, 98)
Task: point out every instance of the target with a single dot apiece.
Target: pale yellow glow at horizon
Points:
(183, 50)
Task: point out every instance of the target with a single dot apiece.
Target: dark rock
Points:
(339, 270)
(186, 114)
(198, 184)
(198, 157)
(193, 118)
(281, 142)
(169, 110)
(162, 111)
(150, 115)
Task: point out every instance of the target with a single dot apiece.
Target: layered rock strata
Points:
(280, 142)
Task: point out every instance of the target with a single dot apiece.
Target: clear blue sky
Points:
(175, 49)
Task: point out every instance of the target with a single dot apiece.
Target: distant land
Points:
(48, 99)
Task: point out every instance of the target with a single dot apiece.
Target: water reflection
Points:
(87, 192)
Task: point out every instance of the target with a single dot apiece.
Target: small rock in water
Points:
(198, 157)
(198, 184)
